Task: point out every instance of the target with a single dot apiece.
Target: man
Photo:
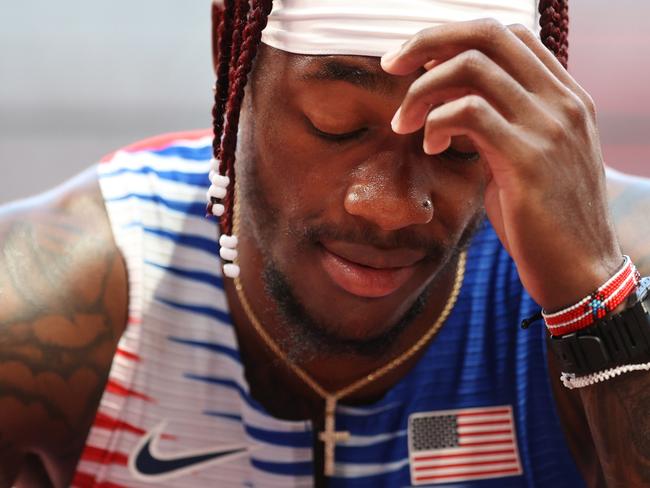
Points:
(369, 334)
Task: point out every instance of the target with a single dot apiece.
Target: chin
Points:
(321, 318)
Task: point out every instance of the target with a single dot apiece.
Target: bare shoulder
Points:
(63, 305)
(629, 198)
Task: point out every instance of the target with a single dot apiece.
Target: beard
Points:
(304, 336)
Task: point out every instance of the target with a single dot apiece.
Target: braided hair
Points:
(240, 24)
(239, 33)
(554, 23)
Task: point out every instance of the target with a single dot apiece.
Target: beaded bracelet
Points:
(596, 305)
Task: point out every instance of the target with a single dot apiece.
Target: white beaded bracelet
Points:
(571, 381)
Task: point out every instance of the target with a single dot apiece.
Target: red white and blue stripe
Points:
(177, 410)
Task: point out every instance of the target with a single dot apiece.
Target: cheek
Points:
(458, 195)
(301, 181)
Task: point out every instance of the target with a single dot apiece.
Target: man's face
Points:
(353, 221)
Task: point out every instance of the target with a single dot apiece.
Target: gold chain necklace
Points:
(330, 436)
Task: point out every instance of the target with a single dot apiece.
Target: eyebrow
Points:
(337, 70)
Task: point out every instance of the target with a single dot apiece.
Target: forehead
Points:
(361, 71)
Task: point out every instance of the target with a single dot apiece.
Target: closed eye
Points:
(345, 136)
(456, 155)
(449, 153)
(336, 136)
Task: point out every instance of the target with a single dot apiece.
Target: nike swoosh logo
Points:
(148, 463)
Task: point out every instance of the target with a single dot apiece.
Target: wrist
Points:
(578, 281)
(609, 296)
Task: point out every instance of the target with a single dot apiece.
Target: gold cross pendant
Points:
(330, 436)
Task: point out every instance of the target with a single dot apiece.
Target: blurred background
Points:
(79, 79)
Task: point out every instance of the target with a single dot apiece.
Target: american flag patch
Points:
(460, 445)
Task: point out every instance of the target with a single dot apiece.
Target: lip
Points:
(375, 274)
(374, 257)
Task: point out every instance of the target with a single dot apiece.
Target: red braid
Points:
(554, 21)
(217, 17)
(224, 47)
(240, 67)
(242, 8)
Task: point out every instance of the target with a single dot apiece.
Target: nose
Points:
(389, 195)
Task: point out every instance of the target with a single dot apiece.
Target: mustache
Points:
(369, 236)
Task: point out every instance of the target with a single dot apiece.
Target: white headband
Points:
(373, 27)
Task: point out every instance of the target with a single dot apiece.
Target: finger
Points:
(549, 60)
(487, 35)
(534, 43)
(470, 72)
(474, 117)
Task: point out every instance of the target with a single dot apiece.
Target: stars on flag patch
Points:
(449, 446)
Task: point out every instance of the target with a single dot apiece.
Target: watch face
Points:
(643, 290)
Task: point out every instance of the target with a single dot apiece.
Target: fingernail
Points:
(390, 56)
(395, 123)
(429, 65)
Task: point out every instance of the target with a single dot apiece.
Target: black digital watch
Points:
(616, 340)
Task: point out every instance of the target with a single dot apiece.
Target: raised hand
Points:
(535, 129)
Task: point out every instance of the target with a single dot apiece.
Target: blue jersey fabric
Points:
(480, 358)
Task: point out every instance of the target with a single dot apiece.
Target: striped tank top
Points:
(475, 411)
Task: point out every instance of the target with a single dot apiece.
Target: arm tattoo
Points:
(630, 209)
(619, 415)
(62, 309)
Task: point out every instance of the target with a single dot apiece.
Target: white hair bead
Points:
(228, 254)
(222, 181)
(214, 164)
(231, 270)
(219, 180)
(228, 241)
(216, 192)
(218, 209)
